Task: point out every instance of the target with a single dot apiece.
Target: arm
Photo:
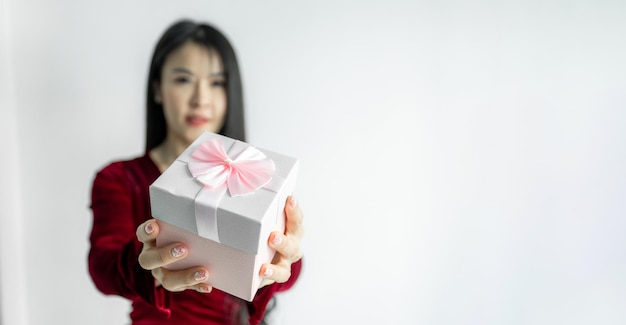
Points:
(113, 264)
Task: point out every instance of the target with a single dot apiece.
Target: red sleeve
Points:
(113, 264)
(258, 305)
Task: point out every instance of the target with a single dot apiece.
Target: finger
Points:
(147, 231)
(294, 217)
(179, 280)
(287, 246)
(202, 288)
(275, 272)
(153, 258)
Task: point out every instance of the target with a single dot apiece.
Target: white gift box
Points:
(227, 234)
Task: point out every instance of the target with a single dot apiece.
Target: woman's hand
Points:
(287, 246)
(154, 259)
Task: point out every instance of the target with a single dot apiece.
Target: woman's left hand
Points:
(287, 246)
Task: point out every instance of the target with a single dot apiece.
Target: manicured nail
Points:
(268, 272)
(277, 240)
(205, 289)
(293, 202)
(179, 251)
(200, 275)
(149, 228)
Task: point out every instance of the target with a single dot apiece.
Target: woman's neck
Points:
(164, 154)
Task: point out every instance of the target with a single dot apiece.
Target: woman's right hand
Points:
(154, 259)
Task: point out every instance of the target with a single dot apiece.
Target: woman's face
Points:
(192, 92)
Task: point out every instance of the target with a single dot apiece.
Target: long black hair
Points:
(203, 34)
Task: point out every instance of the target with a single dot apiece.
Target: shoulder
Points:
(136, 170)
(121, 166)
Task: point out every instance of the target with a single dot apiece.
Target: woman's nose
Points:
(202, 94)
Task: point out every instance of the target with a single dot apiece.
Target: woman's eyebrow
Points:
(187, 71)
(182, 70)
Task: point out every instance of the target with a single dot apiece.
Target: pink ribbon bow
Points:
(245, 174)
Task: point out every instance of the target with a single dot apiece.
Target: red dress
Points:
(120, 203)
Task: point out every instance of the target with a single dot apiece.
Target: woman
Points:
(193, 85)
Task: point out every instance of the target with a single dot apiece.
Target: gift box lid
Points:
(176, 198)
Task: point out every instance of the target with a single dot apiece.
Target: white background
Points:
(462, 162)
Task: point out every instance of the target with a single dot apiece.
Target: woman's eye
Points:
(181, 80)
(219, 83)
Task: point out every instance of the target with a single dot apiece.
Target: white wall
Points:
(461, 163)
(12, 280)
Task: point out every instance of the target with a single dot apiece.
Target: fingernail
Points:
(205, 289)
(277, 240)
(268, 272)
(149, 228)
(293, 202)
(179, 251)
(200, 275)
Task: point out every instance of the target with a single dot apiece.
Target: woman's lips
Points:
(195, 120)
